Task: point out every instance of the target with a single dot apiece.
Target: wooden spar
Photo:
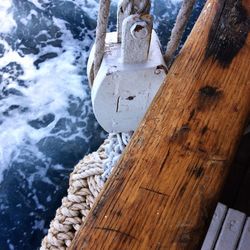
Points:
(166, 186)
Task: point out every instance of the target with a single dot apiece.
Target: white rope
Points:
(86, 182)
(141, 6)
(126, 6)
(130, 7)
(90, 174)
(101, 29)
(177, 31)
(135, 6)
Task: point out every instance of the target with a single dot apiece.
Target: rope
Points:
(86, 182)
(141, 6)
(135, 6)
(129, 7)
(177, 31)
(126, 6)
(90, 174)
(102, 24)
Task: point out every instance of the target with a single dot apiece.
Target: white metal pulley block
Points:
(130, 75)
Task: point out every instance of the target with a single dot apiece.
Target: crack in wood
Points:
(164, 161)
(192, 113)
(154, 191)
(106, 229)
(197, 171)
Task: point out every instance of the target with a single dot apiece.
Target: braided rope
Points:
(126, 6)
(90, 174)
(141, 6)
(86, 182)
(177, 31)
(135, 6)
(102, 25)
(129, 7)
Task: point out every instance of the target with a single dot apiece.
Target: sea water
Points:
(46, 119)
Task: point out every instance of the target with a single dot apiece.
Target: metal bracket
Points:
(136, 38)
(127, 8)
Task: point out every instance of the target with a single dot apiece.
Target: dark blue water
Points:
(46, 119)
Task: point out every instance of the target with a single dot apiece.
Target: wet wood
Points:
(166, 186)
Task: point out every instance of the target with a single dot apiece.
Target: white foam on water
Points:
(176, 1)
(37, 3)
(6, 16)
(46, 91)
(90, 7)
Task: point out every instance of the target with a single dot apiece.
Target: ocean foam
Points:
(46, 119)
(6, 16)
(46, 91)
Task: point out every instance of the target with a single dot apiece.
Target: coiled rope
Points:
(89, 175)
(86, 182)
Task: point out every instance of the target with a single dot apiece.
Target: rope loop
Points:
(86, 182)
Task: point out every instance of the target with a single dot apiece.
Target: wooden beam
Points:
(166, 186)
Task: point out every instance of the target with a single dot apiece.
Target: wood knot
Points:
(209, 91)
(208, 96)
(197, 171)
(181, 134)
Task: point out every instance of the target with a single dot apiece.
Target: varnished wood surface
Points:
(166, 186)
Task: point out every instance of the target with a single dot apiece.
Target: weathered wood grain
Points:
(166, 186)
